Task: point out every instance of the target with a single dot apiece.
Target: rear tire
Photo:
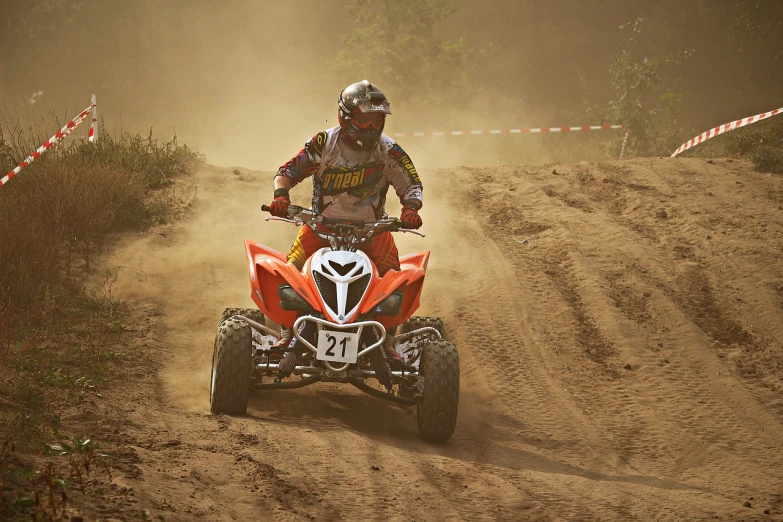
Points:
(232, 367)
(416, 322)
(436, 413)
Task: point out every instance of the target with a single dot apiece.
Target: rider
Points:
(352, 166)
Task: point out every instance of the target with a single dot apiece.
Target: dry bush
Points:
(762, 144)
(21, 134)
(58, 211)
(53, 219)
(157, 162)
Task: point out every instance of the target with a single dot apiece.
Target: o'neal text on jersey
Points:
(341, 179)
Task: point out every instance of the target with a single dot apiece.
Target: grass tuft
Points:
(156, 162)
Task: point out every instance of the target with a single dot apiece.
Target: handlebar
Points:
(301, 216)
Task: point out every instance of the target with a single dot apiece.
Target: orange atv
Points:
(344, 317)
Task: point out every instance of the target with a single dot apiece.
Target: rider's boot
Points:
(392, 354)
(286, 334)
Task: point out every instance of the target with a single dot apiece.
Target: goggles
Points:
(368, 120)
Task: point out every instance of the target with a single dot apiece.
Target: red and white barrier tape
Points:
(62, 133)
(726, 127)
(509, 131)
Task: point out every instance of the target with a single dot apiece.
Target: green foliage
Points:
(756, 22)
(762, 144)
(395, 45)
(757, 32)
(43, 378)
(645, 100)
(43, 495)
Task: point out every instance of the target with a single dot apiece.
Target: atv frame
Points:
(407, 375)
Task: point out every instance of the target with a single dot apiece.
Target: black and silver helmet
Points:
(362, 114)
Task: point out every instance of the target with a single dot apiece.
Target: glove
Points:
(410, 218)
(279, 207)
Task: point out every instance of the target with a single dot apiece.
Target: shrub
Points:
(56, 216)
(762, 144)
(59, 210)
(20, 135)
(155, 161)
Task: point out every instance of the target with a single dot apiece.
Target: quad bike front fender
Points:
(409, 280)
(418, 260)
(268, 270)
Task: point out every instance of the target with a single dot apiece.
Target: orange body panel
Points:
(417, 260)
(268, 270)
(410, 280)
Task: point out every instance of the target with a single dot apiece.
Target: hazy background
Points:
(248, 81)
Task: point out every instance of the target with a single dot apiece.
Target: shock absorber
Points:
(296, 349)
(378, 358)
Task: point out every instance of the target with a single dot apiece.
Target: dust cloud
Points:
(239, 81)
(248, 81)
(571, 300)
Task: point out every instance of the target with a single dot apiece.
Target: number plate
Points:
(337, 346)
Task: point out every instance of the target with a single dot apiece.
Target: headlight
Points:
(391, 305)
(290, 300)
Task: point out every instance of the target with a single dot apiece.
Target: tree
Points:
(758, 22)
(394, 44)
(654, 126)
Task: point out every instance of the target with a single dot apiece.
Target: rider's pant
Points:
(381, 249)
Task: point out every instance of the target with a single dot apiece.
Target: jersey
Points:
(350, 183)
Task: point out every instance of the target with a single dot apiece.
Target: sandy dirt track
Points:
(620, 328)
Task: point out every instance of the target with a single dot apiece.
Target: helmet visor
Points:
(369, 120)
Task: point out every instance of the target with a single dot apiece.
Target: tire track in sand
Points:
(695, 407)
(549, 427)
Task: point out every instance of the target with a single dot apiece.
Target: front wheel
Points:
(251, 313)
(232, 367)
(436, 413)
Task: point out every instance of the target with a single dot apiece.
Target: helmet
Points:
(362, 114)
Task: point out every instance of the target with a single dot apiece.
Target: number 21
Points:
(333, 340)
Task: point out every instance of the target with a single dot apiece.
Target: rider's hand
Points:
(279, 207)
(410, 218)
